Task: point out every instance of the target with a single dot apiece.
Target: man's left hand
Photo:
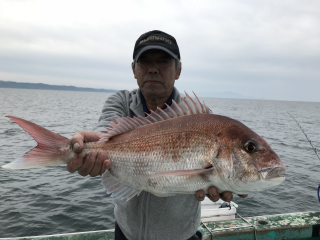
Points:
(214, 195)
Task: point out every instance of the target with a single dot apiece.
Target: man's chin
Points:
(150, 92)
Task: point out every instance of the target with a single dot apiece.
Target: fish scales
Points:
(143, 156)
(161, 147)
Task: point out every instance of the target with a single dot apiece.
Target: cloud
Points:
(266, 49)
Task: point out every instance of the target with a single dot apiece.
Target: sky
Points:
(259, 49)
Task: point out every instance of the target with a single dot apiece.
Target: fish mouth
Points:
(271, 173)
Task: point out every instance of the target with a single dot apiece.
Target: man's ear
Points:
(133, 65)
(178, 72)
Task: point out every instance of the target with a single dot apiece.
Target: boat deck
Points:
(303, 226)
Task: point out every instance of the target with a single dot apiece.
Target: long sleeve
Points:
(117, 105)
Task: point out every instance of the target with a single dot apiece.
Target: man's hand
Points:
(92, 164)
(214, 195)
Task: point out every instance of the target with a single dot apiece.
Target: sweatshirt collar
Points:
(143, 101)
(136, 105)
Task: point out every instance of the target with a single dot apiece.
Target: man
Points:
(156, 67)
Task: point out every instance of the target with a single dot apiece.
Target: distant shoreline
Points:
(42, 86)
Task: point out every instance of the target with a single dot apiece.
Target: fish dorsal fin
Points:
(187, 106)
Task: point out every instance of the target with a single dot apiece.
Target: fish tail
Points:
(52, 149)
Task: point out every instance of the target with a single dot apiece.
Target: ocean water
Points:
(52, 201)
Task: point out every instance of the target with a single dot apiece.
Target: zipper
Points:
(144, 217)
(141, 217)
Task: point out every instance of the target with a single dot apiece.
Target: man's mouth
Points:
(152, 81)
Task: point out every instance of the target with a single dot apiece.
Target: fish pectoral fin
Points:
(117, 189)
(164, 194)
(182, 172)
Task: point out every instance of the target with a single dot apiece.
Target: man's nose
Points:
(153, 69)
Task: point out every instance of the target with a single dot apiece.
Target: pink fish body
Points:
(175, 151)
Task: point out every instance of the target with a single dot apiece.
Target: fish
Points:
(177, 150)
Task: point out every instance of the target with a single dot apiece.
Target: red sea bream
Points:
(178, 150)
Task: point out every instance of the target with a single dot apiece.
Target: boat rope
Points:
(211, 233)
(314, 149)
(254, 227)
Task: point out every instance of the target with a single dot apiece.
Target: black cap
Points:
(156, 40)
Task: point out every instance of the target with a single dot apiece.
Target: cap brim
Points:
(150, 47)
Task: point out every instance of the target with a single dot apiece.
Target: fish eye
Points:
(250, 147)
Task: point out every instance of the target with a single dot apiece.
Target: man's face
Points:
(156, 73)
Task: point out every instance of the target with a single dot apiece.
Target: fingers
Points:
(99, 165)
(213, 194)
(88, 163)
(76, 162)
(83, 136)
(226, 196)
(106, 165)
(200, 195)
(243, 196)
(77, 148)
(77, 141)
(93, 164)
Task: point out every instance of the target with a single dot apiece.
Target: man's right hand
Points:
(93, 163)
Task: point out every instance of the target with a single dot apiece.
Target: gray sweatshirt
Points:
(147, 216)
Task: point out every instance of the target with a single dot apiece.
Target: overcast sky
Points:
(263, 49)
